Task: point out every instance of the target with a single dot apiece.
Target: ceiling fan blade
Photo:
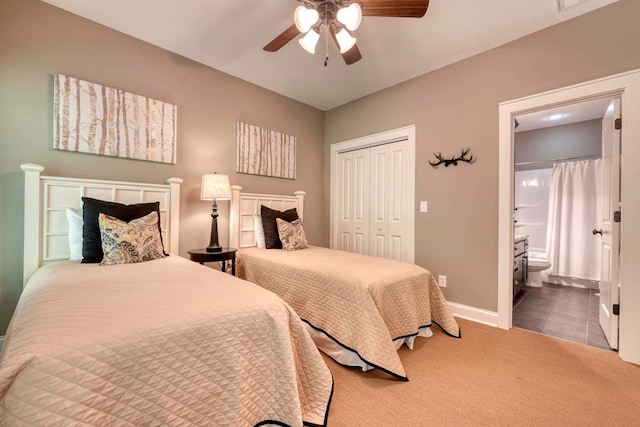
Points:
(395, 9)
(351, 56)
(285, 37)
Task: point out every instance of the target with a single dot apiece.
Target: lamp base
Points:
(214, 246)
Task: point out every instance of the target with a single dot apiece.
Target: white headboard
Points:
(46, 199)
(245, 205)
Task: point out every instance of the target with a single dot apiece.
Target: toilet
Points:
(537, 263)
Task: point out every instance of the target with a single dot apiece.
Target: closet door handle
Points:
(597, 232)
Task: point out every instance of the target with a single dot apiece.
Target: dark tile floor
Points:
(560, 311)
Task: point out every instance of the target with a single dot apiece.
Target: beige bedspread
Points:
(362, 302)
(165, 342)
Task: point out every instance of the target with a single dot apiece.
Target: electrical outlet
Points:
(423, 206)
(442, 281)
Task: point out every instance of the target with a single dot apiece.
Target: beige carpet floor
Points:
(491, 377)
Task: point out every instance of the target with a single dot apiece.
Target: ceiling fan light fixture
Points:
(305, 18)
(309, 41)
(350, 16)
(345, 40)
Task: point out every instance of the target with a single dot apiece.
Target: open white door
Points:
(610, 231)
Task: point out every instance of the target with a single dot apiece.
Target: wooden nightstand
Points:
(226, 254)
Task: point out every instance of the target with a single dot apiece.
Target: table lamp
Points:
(215, 187)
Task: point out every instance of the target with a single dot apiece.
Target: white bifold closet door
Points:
(353, 205)
(372, 191)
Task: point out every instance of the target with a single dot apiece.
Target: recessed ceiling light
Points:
(556, 116)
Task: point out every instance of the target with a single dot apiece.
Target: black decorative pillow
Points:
(91, 241)
(271, 236)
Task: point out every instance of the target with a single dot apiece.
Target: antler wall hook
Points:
(453, 160)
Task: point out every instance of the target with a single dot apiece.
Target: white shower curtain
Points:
(574, 212)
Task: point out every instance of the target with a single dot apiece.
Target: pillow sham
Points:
(271, 238)
(91, 241)
(258, 231)
(291, 235)
(127, 243)
(74, 231)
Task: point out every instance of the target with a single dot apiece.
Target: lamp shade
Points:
(350, 16)
(309, 41)
(304, 18)
(345, 40)
(215, 187)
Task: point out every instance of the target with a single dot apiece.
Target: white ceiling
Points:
(228, 35)
(573, 113)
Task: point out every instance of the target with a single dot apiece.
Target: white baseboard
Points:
(571, 281)
(474, 314)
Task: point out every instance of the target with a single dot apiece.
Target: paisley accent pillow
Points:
(135, 241)
(291, 235)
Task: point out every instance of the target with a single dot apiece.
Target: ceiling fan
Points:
(340, 18)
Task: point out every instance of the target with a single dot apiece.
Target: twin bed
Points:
(162, 342)
(359, 309)
(170, 342)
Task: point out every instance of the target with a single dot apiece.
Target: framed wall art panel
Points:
(97, 119)
(265, 152)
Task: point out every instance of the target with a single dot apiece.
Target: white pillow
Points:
(258, 231)
(74, 221)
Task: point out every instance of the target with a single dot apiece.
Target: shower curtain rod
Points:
(565, 159)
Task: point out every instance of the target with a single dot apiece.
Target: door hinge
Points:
(618, 124)
(616, 309)
(617, 216)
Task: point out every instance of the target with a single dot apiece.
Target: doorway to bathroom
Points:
(626, 86)
(558, 205)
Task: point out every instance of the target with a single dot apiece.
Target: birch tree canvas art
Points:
(265, 152)
(92, 118)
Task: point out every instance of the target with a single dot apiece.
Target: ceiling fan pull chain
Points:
(326, 46)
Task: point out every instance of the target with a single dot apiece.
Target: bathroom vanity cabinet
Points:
(520, 264)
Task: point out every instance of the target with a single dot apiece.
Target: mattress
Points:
(361, 302)
(164, 342)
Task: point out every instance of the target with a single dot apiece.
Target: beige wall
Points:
(37, 40)
(452, 108)
(574, 140)
(456, 107)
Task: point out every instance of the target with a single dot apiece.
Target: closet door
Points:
(353, 196)
(388, 193)
(379, 201)
(372, 194)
